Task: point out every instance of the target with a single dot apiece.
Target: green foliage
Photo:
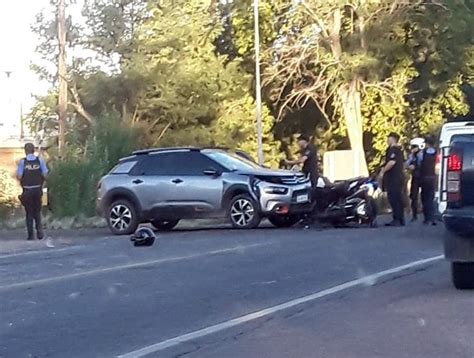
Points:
(72, 181)
(236, 128)
(182, 72)
(447, 105)
(7, 193)
(385, 111)
(185, 81)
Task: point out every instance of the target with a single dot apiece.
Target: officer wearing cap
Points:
(31, 173)
(428, 180)
(393, 179)
(413, 164)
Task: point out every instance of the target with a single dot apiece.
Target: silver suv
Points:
(163, 186)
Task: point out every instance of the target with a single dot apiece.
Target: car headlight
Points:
(279, 190)
(255, 187)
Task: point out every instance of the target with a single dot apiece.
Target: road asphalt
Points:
(354, 292)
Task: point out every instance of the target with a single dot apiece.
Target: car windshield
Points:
(231, 161)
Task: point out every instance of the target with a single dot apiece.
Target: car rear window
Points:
(123, 168)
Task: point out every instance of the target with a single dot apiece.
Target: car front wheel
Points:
(122, 218)
(243, 212)
(463, 275)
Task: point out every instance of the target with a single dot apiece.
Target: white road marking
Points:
(270, 310)
(40, 251)
(128, 266)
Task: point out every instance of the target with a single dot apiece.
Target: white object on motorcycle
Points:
(320, 183)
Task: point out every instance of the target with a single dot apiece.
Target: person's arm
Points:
(409, 163)
(389, 166)
(392, 160)
(300, 160)
(44, 168)
(20, 169)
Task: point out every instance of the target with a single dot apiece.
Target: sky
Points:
(18, 44)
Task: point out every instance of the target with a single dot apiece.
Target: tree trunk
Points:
(62, 74)
(350, 99)
(335, 34)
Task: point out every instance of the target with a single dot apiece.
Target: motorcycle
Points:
(344, 202)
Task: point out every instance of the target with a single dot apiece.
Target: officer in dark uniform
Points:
(309, 159)
(428, 180)
(393, 179)
(413, 164)
(31, 173)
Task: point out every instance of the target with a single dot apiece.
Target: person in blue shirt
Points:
(31, 173)
(413, 164)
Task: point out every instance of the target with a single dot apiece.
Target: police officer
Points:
(414, 166)
(393, 179)
(31, 173)
(308, 158)
(428, 180)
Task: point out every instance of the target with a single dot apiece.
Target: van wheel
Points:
(243, 212)
(164, 225)
(122, 217)
(463, 275)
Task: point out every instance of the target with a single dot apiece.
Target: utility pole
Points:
(62, 74)
(258, 89)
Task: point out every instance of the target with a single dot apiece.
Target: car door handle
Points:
(137, 181)
(177, 181)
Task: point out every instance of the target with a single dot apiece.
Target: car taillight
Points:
(454, 177)
(454, 162)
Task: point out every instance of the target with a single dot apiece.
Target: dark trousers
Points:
(395, 198)
(31, 200)
(414, 194)
(427, 197)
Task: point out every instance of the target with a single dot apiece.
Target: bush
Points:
(73, 181)
(8, 190)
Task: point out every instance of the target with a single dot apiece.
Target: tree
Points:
(235, 128)
(348, 58)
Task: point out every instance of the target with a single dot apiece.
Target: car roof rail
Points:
(164, 149)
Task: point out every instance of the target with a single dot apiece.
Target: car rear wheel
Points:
(164, 225)
(463, 275)
(284, 220)
(122, 217)
(243, 212)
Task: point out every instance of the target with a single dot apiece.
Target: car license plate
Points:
(302, 198)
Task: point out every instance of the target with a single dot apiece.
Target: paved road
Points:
(226, 293)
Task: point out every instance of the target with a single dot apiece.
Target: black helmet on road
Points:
(144, 236)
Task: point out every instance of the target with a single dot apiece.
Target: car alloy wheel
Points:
(242, 212)
(120, 217)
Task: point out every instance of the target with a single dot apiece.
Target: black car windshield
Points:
(231, 161)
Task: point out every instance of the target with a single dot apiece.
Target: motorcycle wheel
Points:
(372, 213)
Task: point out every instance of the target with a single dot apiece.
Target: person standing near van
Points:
(428, 180)
(393, 179)
(31, 173)
(413, 164)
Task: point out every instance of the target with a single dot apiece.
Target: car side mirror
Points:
(212, 172)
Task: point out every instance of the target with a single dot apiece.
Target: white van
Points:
(449, 131)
